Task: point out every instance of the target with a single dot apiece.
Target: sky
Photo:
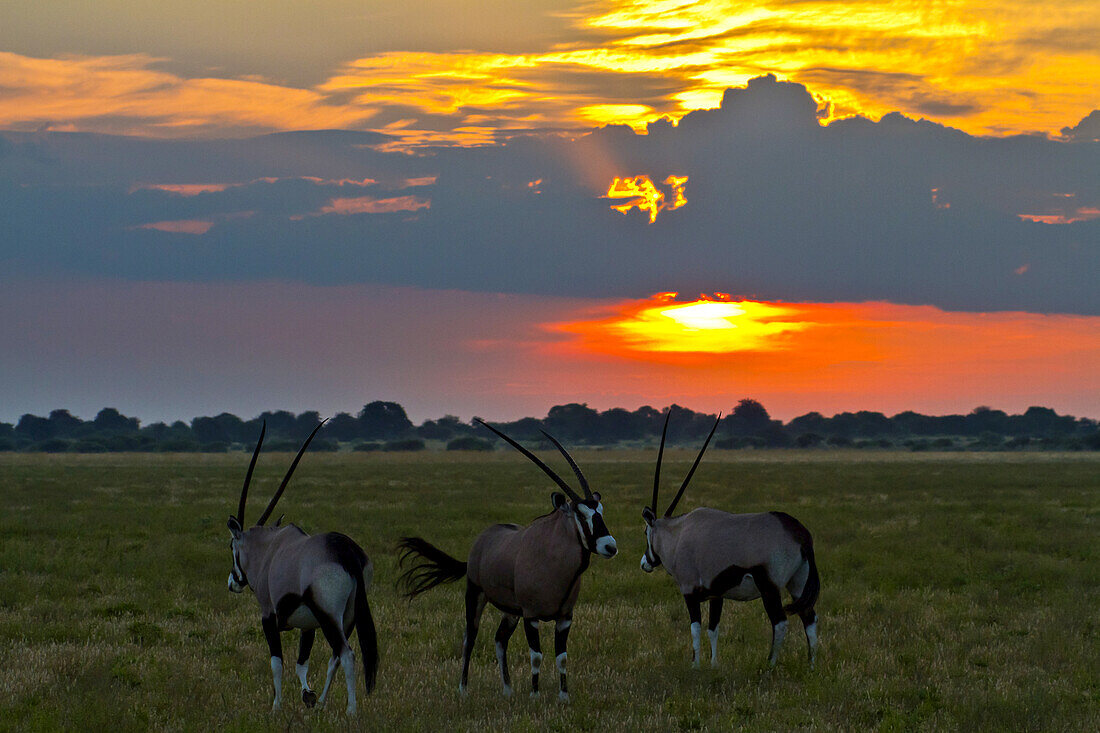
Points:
(488, 208)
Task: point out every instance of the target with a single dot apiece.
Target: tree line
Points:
(382, 425)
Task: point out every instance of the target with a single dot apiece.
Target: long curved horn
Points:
(572, 464)
(290, 471)
(248, 476)
(668, 512)
(546, 469)
(660, 455)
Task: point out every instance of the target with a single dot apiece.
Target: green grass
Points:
(959, 592)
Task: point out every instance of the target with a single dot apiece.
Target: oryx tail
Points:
(810, 591)
(368, 638)
(436, 567)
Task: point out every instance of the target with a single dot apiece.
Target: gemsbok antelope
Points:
(713, 555)
(305, 582)
(531, 572)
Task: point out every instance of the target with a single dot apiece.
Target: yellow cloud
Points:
(988, 68)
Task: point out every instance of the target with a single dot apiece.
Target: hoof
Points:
(535, 695)
(563, 698)
(309, 697)
(507, 692)
(350, 711)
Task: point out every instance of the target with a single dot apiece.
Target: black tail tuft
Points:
(436, 568)
(812, 588)
(368, 639)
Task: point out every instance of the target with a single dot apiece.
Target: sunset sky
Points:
(488, 208)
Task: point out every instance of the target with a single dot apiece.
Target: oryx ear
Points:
(279, 521)
(649, 516)
(234, 527)
(596, 496)
(558, 499)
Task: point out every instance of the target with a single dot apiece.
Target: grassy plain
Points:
(960, 592)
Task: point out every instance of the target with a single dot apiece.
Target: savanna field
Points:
(959, 592)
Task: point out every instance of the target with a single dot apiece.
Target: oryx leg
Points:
(275, 645)
(333, 663)
(341, 653)
(504, 633)
(796, 587)
(561, 639)
(695, 614)
(809, 623)
(773, 605)
(531, 631)
(712, 629)
(305, 646)
(475, 604)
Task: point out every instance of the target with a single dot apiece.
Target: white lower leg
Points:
(561, 660)
(536, 664)
(811, 642)
(277, 681)
(347, 661)
(332, 664)
(696, 628)
(779, 631)
(303, 673)
(713, 634)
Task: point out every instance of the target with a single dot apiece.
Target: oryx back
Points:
(713, 551)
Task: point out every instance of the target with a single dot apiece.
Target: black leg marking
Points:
(305, 646)
(271, 633)
(773, 601)
(531, 631)
(475, 602)
(561, 642)
(715, 613)
(504, 633)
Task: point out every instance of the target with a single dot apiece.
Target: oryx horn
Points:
(248, 476)
(660, 455)
(572, 464)
(290, 471)
(546, 469)
(683, 486)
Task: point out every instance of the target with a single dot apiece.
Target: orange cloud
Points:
(371, 205)
(1082, 214)
(996, 67)
(643, 195)
(181, 226)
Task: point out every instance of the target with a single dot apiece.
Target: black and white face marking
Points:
(588, 514)
(650, 559)
(238, 581)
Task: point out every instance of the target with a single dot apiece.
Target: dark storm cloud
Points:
(778, 207)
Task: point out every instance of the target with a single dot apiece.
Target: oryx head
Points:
(650, 559)
(240, 544)
(587, 512)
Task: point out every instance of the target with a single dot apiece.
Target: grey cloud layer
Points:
(778, 207)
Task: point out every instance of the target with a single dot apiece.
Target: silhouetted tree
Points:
(748, 418)
(34, 428)
(575, 423)
(110, 420)
(383, 420)
(64, 424)
(342, 427)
